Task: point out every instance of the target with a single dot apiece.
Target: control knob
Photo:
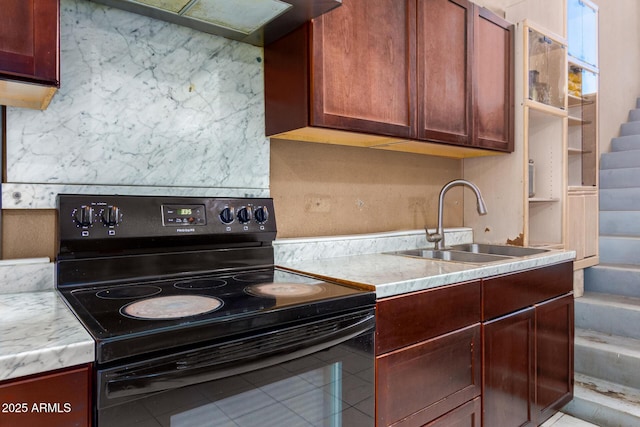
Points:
(244, 215)
(84, 216)
(226, 215)
(261, 214)
(111, 215)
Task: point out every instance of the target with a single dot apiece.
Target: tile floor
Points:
(564, 420)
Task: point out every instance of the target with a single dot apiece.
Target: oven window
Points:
(334, 388)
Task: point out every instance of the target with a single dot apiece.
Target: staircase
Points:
(607, 339)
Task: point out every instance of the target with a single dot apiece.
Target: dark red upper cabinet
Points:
(423, 70)
(29, 52)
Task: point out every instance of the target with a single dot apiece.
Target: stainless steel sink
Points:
(505, 250)
(476, 253)
(451, 255)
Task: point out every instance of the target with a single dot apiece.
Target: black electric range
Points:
(146, 274)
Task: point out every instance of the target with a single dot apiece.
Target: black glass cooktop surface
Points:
(147, 316)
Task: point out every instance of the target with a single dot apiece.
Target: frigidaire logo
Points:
(185, 230)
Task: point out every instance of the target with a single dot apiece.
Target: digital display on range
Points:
(173, 216)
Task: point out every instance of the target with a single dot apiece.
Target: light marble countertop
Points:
(390, 275)
(38, 333)
(363, 260)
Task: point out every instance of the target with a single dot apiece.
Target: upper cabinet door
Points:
(444, 70)
(29, 41)
(493, 82)
(362, 67)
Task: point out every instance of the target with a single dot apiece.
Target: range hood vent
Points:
(258, 22)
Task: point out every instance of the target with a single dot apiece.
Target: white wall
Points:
(619, 65)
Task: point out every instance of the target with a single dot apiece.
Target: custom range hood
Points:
(258, 22)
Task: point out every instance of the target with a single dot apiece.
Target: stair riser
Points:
(620, 199)
(609, 280)
(619, 250)
(608, 365)
(620, 159)
(620, 223)
(599, 414)
(620, 178)
(607, 318)
(630, 128)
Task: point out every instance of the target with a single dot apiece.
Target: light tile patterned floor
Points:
(564, 420)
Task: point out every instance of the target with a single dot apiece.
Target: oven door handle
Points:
(134, 386)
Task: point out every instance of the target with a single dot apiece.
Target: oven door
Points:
(316, 374)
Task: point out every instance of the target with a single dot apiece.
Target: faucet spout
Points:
(438, 237)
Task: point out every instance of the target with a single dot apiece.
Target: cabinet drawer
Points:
(407, 319)
(418, 384)
(511, 292)
(467, 415)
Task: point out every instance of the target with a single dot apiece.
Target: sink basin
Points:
(473, 253)
(456, 256)
(510, 251)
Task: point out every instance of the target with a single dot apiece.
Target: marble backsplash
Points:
(145, 107)
(26, 275)
(290, 250)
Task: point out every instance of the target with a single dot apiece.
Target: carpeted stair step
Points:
(610, 314)
(634, 115)
(619, 249)
(613, 279)
(620, 159)
(619, 199)
(620, 223)
(604, 403)
(625, 143)
(620, 178)
(630, 128)
(608, 357)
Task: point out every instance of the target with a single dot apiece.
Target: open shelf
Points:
(543, 200)
(577, 121)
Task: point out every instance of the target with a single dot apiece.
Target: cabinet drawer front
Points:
(511, 292)
(59, 399)
(467, 415)
(422, 382)
(407, 319)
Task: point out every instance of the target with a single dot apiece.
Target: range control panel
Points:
(89, 217)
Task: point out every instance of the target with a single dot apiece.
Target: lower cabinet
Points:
(528, 353)
(428, 358)
(496, 352)
(54, 399)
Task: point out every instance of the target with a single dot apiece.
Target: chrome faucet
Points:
(438, 236)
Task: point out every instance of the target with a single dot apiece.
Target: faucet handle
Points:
(433, 237)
